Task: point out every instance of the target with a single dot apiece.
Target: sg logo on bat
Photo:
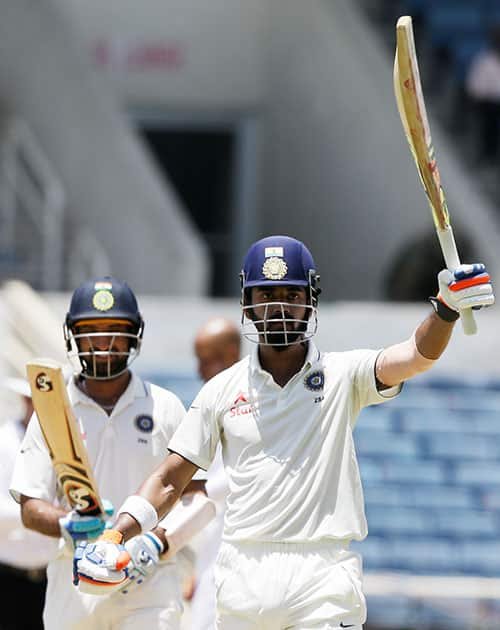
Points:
(43, 382)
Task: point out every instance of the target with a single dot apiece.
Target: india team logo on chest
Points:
(315, 381)
(144, 423)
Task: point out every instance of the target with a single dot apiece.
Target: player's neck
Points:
(105, 392)
(282, 365)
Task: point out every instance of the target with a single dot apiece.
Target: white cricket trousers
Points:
(155, 604)
(278, 586)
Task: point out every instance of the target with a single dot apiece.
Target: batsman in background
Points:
(126, 424)
(285, 417)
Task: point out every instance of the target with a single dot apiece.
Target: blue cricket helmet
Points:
(280, 260)
(104, 298)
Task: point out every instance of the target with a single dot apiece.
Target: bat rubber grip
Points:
(468, 322)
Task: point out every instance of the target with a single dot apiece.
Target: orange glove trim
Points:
(471, 282)
(104, 585)
(112, 536)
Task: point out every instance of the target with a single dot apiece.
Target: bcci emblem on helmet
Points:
(103, 300)
(274, 268)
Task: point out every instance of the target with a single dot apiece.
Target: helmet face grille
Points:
(278, 327)
(96, 353)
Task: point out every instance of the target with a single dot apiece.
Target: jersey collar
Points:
(312, 356)
(135, 389)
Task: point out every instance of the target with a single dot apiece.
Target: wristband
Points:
(141, 510)
(443, 311)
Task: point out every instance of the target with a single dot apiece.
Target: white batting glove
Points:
(100, 568)
(468, 286)
(144, 551)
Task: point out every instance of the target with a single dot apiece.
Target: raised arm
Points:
(468, 287)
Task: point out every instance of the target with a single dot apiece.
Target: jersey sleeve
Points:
(197, 436)
(33, 474)
(364, 381)
(169, 410)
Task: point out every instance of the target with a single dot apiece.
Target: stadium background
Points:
(157, 141)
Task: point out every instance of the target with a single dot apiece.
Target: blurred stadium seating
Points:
(430, 463)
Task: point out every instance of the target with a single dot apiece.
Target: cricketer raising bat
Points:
(411, 106)
(62, 434)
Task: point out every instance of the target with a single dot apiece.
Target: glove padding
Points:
(468, 286)
(76, 528)
(144, 551)
(100, 568)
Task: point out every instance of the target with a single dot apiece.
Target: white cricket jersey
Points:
(288, 451)
(124, 448)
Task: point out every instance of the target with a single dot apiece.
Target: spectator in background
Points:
(23, 554)
(483, 88)
(217, 346)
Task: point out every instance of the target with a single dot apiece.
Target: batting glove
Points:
(100, 568)
(76, 528)
(144, 551)
(469, 286)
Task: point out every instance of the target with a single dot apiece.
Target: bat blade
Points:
(413, 114)
(62, 435)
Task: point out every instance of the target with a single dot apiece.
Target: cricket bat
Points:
(411, 106)
(61, 431)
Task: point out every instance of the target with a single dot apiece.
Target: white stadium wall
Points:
(112, 188)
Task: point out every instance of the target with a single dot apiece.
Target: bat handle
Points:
(450, 254)
(468, 322)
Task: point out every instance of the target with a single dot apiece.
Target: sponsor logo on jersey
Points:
(103, 300)
(274, 268)
(315, 381)
(144, 423)
(240, 406)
